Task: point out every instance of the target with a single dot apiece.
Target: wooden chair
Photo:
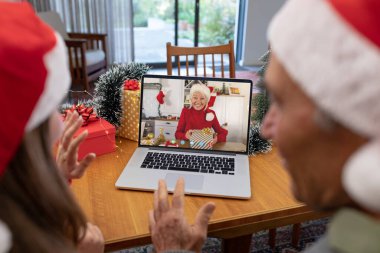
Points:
(221, 50)
(87, 52)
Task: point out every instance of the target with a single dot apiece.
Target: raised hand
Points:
(168, 226)
(214, 140)
(189, 133)
(67, 152)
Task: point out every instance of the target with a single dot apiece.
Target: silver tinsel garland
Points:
(109, 87)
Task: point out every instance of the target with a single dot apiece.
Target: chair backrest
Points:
(227, 49)
(53, 19)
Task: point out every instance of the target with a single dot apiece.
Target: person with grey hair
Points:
(199, 116)
(323, 78)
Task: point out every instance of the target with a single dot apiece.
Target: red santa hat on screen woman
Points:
(342, 38)
(34, 75)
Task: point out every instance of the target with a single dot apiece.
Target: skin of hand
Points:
(93, 240)
(188, 134)
(168, 226)
(215, 140)
(67, 151)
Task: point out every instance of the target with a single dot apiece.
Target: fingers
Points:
(82, 166)
(152, 221)
(203, 216)
(95, 231)
(163, 204)
(155, 205)
(68, 120)
(87, 160)
(73, 124)
(92, 232)
(73, 147)
(189, 133)
(178, 196)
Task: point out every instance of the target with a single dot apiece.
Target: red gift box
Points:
(100, 139)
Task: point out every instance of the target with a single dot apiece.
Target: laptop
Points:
(212, 157)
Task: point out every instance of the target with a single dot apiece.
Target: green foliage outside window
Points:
(217, 17)
(217, 21)
(144, 9)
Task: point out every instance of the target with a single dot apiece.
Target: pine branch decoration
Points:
(261, 103)
(257, 144)
(109, 88)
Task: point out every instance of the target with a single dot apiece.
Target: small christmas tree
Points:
(260, 103)
(109, 87)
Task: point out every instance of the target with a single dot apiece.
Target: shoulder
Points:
(185, 110)
(5, 238)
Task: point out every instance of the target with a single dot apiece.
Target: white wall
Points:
(258, 15)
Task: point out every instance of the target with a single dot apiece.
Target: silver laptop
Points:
(208, 148)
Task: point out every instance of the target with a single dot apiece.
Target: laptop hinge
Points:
(203, 151)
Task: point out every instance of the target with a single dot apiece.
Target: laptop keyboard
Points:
(189, 163)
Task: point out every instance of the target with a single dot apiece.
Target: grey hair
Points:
(202, 88)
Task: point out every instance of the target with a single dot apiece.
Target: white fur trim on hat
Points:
(361, 176)
(334, 65)
(56, 85)
(5, 238)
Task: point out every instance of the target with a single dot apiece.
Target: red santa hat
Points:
(34, 75)
(213, 94)
(331, 48)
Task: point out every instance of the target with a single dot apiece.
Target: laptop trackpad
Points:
(191, 181)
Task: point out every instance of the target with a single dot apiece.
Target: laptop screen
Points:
(195, 113)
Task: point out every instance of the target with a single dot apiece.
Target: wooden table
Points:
(122, 215)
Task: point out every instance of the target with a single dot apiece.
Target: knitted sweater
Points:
(192, 119)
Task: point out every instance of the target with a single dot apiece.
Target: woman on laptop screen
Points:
(198, 122)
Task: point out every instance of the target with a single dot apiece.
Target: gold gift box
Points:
(129, 127)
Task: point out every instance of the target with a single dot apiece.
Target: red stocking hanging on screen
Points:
(160, 97)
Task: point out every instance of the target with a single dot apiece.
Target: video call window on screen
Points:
(195, 114)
